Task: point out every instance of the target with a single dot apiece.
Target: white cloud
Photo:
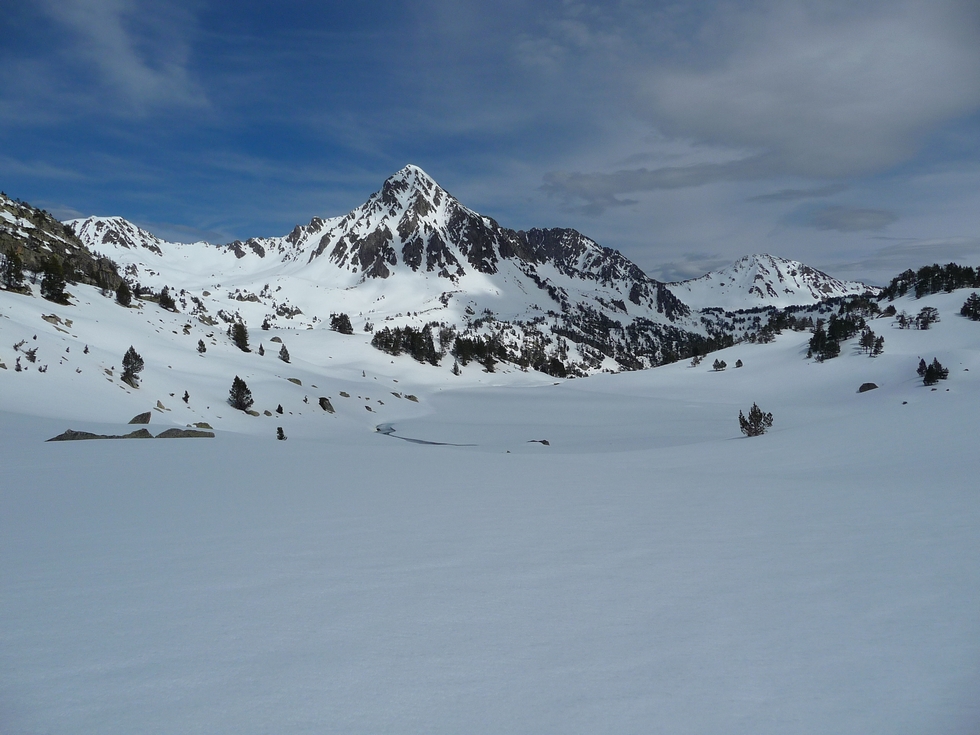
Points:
(140, 49)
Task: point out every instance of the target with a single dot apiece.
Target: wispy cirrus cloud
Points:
(139, 50)
(850, 219)
(795, 195)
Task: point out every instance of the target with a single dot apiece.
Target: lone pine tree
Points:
(53, 282)
(166, 300)
(240, 396)
(132, 364)
(124, 295)
(13, 272)
(239, 335)
(757, 422)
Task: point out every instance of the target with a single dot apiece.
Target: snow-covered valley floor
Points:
(650, 570)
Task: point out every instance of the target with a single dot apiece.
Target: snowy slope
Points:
(647, 570)
(763, 280)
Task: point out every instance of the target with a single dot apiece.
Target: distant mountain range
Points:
(764, 280)
(413, 257)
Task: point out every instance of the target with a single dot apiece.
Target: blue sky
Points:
(844, 134)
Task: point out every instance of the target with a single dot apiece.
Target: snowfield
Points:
(648, 570)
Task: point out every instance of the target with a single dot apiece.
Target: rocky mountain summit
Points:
(764, 280)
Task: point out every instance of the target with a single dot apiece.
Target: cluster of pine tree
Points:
(933, 372)
(932, 279)
(341, 323)
(971, 307)
(483, 350)
(416, 342)
(825, 342)
(927, 316)
(871, 343)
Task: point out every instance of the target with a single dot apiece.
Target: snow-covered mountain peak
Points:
(763, 280)
(115, 232)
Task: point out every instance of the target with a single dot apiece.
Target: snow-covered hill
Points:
(453, 550)
(763, 280)
(646, 565)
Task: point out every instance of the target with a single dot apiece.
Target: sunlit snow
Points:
(648, 570)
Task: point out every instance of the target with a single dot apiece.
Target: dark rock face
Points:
(142, 418)
(414, 218)
(185, 434)
(70, 435)
(865, 387)
(41, 236)
(326, 405)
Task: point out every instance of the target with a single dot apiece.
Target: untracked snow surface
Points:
(648, 570)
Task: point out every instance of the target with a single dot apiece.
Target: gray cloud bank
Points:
(818, 90)
(794, 195)
(599, 191)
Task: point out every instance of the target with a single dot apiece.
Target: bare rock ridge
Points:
(70, 435)
(35, 236)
